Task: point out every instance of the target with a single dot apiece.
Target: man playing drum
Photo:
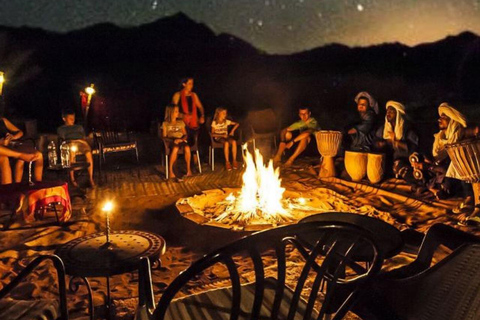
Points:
(439, 171)
(396, 139)
(367, 108)
(305, 127)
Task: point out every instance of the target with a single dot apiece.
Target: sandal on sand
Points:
(470, 221)
(463, 208)
(473, 220)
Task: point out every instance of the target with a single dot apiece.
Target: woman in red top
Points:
(189, 105)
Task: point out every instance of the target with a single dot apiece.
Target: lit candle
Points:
(107, 208)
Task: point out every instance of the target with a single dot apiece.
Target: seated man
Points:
(305, 128)
(396, 139)
(439, 171)
(75, 135)
(5, 170)
(367, 108)
(9, 133)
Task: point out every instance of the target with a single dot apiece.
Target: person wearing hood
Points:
(396, 139)
(439, 170)
(367, 108)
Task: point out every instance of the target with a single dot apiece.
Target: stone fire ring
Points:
(212, 197)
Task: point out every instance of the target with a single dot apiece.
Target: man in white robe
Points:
(440, 171)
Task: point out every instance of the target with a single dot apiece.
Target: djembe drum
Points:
(375, 167)
(356, 164)
(328, 143)
(465, 157)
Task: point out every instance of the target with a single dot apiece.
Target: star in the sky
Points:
(264, 23)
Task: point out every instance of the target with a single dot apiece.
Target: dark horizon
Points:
(136, 71)
(273, 26)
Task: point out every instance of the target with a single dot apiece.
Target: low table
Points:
(91, 256)
(74, 166)
(31, 198)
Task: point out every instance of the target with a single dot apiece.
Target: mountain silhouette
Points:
(136, 70)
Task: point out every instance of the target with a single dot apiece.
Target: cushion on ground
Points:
(216, 304)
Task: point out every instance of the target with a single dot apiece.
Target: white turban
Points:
(371, 100)
(399, 121)
(452, 134)
(452, 113)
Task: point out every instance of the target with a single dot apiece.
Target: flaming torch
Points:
(90, 91)
(2, 81)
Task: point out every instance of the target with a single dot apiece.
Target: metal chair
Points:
(269, 297)
(446, 290)
(193, 148)
(36, 309)
(262, 124)
(113, 142)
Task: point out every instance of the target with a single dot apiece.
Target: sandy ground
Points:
(145, 201)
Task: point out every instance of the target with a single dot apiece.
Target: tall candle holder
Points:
(30, 182)
(107, 208)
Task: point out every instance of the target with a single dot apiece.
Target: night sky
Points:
(276, 26)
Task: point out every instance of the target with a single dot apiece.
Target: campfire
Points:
(261, 201)
(261, 196)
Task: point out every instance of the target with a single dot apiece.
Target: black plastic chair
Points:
(36, 309)
(446, 290)
(114, 142)
(271, 298)
(262, 124)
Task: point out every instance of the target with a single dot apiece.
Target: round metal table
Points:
(91, 256)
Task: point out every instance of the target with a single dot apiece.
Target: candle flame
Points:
(108, 206)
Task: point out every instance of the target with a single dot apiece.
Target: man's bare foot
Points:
(171, 175)
(288, 164)
(74, 183)
(464, 207)
(189, 174)
(92, 183)
(473, 216)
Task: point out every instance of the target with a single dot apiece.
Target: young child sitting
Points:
(220, 134)
(175, 134)
(74, 134)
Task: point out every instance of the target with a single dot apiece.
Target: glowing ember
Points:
(261, 196)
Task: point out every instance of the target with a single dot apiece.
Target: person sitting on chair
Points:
(175, 135)
(9, 134)
(5, 154)
(396, 139)
(367, 108)
(305, 128)
(220, 134)
(74, 134)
